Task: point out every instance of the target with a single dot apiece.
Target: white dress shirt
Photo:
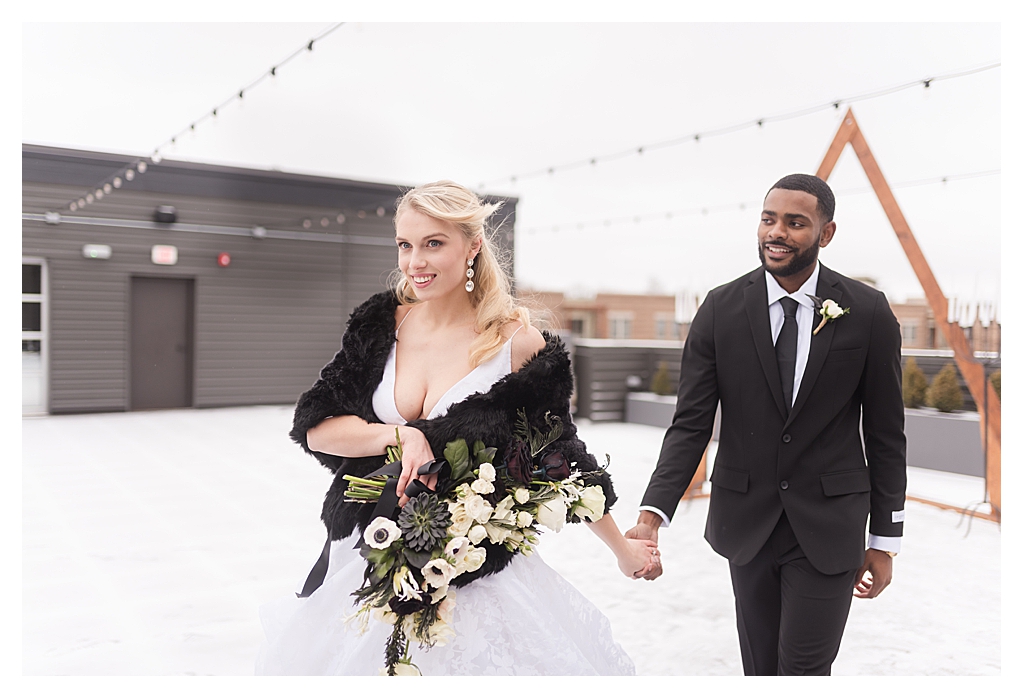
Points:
(804, 324)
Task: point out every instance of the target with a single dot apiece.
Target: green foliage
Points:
(456, 453)
(996, 382)
(537, 439)
(914, 384)
(945, 394)
(660, 383)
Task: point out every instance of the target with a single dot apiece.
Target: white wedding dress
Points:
(524, 620)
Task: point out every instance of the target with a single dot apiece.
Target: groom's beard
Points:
(798, 263)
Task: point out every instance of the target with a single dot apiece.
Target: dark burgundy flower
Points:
(406, 607)
(519, 462)
(556, 466)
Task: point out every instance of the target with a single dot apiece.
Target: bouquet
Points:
(439, 535)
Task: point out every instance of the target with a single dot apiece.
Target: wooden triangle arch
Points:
(972, 371)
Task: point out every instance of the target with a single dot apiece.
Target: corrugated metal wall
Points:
(602, 367)
(264, 325)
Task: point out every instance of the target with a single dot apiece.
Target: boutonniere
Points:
(829, 310)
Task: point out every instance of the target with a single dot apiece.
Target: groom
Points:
(791, 488)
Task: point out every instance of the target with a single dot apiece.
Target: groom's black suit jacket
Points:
(809, 461)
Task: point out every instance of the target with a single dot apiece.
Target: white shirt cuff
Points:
(887, 543)
(664, 519)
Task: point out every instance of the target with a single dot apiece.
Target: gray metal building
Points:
(191, 285)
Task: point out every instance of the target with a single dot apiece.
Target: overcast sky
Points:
(411, 103)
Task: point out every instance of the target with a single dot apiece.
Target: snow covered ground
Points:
(151, 538)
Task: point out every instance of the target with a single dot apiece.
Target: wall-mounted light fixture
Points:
(96, 251)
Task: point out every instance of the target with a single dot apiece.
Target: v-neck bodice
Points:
(478, 380)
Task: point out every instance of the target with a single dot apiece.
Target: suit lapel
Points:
(820, 343)
(760, 324)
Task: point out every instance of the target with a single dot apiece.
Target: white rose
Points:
(523, 519)
(476, 534)
(831, 309)
(483, 486)
(487, 472)
(591, 504)
(384, 615)
(463, 491)
(406, 669)
(551, 514)
(478, 508)
(457, 548)
(503, 516)
(441, 633)
(438, 572)
(461, 522)
(496, 534)
(446, 610)
(521, 495)
(474, 559)
(381, 532)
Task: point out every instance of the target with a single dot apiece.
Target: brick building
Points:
(611, 315)
(981, 327)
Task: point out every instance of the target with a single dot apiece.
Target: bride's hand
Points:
(638, 557)
(415, 452)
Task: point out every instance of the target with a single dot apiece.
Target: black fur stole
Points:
(346, 386)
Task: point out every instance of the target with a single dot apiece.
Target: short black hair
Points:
(811, 185)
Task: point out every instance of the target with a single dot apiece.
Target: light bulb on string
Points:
(99, 194)
(340, 218)
(324, 222)
(81, 203)
(73, 207)
(155, 157)
(117, 182)
(107, 188)
(129, 174)
(307, 224)
(89, 198)
(142, 166)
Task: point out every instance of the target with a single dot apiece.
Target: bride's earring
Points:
(469, 273)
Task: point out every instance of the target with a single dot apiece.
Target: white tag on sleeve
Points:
(899, 516)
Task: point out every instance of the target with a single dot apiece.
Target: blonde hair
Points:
(491, 297)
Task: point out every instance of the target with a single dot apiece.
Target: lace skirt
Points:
(525, 620)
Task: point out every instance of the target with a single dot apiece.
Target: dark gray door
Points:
(161, 343)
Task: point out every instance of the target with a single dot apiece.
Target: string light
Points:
(140, 166)
(741, 206)
(759, 123)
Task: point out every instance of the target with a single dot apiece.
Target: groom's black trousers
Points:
(790, 616)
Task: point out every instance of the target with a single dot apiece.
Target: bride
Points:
(448, 353)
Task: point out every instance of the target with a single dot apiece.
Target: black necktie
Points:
(785, 350)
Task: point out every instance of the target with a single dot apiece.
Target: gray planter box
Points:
(934, 440)
(947, 442)
(657, 411)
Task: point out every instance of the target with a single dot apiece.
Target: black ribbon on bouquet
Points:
(386, 506)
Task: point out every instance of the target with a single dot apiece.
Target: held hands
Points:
(879, 566)
(415, 452)
(646, 530)
(639, 557)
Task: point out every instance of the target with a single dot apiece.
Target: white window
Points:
(619, 324)
(909, 333)
(664, 326)
(34, 340)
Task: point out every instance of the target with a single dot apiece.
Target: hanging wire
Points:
(741, 206)
(758, 123)
(139, 166)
